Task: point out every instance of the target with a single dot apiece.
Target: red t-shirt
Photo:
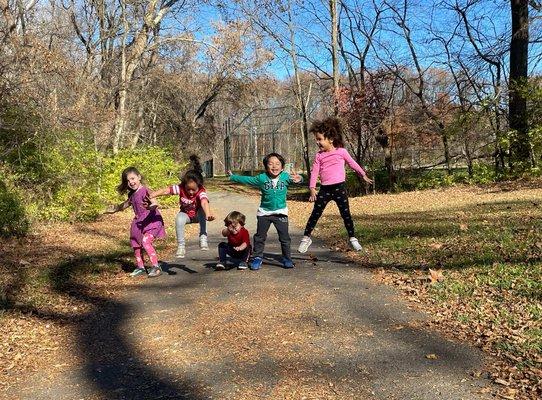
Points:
(189, 205)
(239, 238)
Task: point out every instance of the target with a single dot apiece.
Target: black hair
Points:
(330, 128)
(195, 173)
(123, 187)
(267, 157)
(235, 216)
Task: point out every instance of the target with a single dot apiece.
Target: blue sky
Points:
(491, 18)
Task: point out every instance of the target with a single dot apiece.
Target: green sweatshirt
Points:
(273, 198)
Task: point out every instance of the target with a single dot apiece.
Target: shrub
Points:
(13, 217)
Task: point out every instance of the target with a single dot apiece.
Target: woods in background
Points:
(441, 85)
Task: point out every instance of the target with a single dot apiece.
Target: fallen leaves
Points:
(435, 276)
(471, 257)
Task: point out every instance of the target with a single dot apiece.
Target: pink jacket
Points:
(330, 166)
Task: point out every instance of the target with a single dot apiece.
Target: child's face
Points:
(234, 227)
(134, 180)
(323, 143)
(191, 188)
(274, 167)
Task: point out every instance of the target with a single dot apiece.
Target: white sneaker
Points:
(220, 267)
(304, 245)
(181, 251)
(203, 245)
(355, 244)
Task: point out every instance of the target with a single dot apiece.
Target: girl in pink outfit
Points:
(147, 224)
(329, 165)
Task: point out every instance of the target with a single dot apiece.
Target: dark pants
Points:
(281, 224)
(226, 249)
(337, 193)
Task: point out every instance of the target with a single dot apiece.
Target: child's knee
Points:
(181, 218)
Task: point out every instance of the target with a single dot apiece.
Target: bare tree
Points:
(519, 56)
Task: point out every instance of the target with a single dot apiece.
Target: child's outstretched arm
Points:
(117, 207)
(207, 210)
(159, 192)
(356, 167)
(245, 180)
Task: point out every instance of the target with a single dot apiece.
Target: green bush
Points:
(89, 179)
(156, 164)
(483, 173)
(67, 179)
(13, 217)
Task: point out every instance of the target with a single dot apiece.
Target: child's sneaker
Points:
(203, 245)
(242, 265)
(304, 245)
(138, 271)
(220, 267)
(155, 271)
(181, 251)
(287, 263)
(256, 263)
(355, 244)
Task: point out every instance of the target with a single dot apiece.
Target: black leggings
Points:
(337, 193)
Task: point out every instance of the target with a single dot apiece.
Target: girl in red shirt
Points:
(193, 203)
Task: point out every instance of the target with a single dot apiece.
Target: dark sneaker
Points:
(287, 263)
(155, 271)
(220, 267)
(242, 265)
(256, 263)
(138, 271)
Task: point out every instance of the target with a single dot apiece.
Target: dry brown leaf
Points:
(436, 275)
(431, 356)
(502, 382)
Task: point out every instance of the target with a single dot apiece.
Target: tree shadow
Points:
(111, 363)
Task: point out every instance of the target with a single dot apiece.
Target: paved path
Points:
(323, 330)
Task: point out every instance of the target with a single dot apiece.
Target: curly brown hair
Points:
(331, 129)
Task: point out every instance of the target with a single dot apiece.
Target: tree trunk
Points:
(517, 111)
(334, 56)
(299, 93)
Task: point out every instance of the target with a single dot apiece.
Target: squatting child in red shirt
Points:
(238, 246)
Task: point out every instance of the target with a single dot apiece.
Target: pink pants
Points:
(147, 245)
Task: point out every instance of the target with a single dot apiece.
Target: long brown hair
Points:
(123, 187)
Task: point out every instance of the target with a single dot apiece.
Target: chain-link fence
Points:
(247, 140)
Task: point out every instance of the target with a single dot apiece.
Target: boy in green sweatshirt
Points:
(273, 185)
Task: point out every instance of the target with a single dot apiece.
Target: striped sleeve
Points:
(203, 195)
(174, 189)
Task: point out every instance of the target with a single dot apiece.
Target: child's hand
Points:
(210, 217)
(312, 197)
(238, 248)
(110, 209)
(296, 177)
(229, 172)
(367, 179)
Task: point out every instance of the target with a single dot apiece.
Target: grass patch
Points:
(488, 244)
